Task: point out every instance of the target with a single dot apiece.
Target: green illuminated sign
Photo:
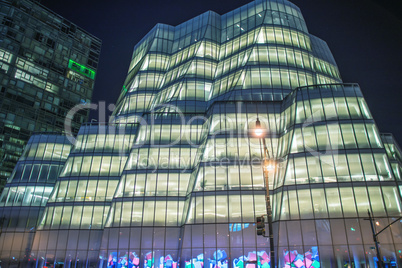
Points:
(81, 69)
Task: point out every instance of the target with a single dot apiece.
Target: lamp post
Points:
(1, 224)
(266, 167)
(371, 219)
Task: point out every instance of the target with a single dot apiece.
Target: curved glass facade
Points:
(176, 178)
(27, 192)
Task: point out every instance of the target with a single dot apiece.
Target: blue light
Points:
(236, 227)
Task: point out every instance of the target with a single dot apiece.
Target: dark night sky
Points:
(364, 36)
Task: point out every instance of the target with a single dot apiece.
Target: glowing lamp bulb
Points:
(258, 131)
(269, 167)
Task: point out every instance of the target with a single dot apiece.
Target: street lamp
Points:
(371, 219)
(267, 166)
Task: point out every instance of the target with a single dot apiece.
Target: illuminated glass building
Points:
(175, 179)
(47, 66)
(29, 187)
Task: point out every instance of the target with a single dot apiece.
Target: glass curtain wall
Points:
(176, 178)
(71, 226)
(26, 193)
(47, 66)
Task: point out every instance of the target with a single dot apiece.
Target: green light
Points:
(400, 251)
(353, 229)
(124, 88)
(13, 127)
(81, 69)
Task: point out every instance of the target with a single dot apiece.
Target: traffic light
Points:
(260, 226)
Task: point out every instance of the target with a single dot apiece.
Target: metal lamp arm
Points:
(388, 226)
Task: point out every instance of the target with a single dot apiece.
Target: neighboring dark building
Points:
(176, 178)
(47, 66)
